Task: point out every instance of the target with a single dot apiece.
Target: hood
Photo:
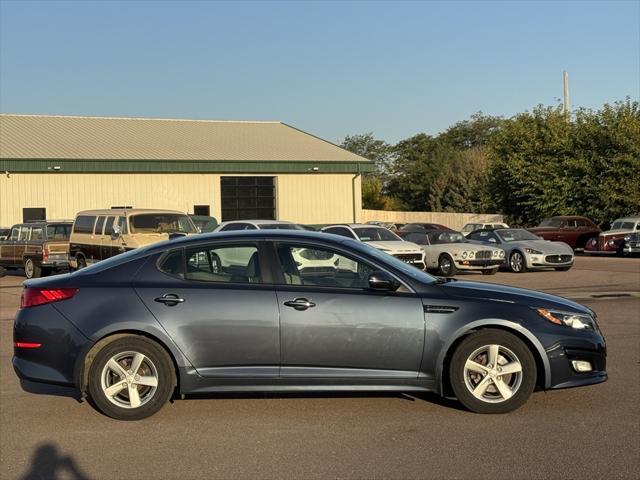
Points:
(617, 232)
(545, 246)
(463, 247)
(520, 296)
(396, 246)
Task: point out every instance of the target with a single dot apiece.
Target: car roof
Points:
(126, 211)
(356, 225)
(627, 219)
(259, 222)
(44, 222)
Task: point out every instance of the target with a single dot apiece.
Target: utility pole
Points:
(565, 100)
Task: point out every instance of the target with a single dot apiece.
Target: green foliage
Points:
(365, 145)
(549, 163)
(373, 197)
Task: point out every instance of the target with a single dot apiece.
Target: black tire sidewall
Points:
(452, 271)
(487, 337)
(162, 362)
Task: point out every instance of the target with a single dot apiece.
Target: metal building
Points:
(55, 166)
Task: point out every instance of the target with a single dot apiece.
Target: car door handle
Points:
(169, 299)
(300, 303)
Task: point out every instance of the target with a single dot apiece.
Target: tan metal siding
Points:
(304, 198)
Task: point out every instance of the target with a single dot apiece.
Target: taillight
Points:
(45, 255)
(41, 296)
(27, 345)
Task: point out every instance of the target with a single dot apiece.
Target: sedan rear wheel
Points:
(131, 378)
(517, 262)
(446, 266)
(492, 371)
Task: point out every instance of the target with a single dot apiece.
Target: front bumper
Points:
(632, 248)
(553, 260)
(561, 356)
(415, 259)
(478, 264)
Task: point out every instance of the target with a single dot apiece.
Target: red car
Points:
(574, 231)
(611, 242)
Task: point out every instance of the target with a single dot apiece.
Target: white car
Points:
(382, 239)
(472, 227)
(448, 251)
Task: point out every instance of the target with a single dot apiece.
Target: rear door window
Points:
(108, 226)
(99, 225)
(223, 264)
(37, 234)
(58, 232)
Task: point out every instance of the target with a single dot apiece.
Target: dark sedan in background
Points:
(232, 312)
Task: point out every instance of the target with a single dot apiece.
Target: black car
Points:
(232, 312)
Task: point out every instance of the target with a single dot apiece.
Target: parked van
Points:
(40, 247)
(101, 234)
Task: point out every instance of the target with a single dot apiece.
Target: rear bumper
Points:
(62, 344)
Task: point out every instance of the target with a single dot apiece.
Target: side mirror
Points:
(116, 231)
(382, 281)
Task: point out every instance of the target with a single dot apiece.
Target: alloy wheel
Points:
(445, 265)
(28, 268)
(493, 373)
(129, 379)
(516, 262)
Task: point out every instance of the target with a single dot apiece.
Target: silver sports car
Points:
(524, 250)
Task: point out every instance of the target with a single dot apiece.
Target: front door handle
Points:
(300, 303)
(169, 299)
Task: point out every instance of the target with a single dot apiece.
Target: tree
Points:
(365, 145)
(546, 162)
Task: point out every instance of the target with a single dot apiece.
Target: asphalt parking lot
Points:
(590, 432)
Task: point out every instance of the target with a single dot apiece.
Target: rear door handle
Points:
(169, 299)
(300, 303)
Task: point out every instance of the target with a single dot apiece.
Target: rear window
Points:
(59, 231)
(84, 224)
(161, 223)
(36, 234)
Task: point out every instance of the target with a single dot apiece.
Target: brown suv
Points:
(39, 247)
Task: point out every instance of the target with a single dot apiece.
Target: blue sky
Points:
(332, 68)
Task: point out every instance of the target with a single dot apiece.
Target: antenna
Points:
(565, 98)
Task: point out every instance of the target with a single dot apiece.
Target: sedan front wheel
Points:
(492, 371)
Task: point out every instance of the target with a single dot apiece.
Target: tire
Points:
(81, 263)
(517, 386)
(491, 271)
(517, 262)
(155, 364)
(563, 269)
(3, 271)
(446, 266)
(31, 270)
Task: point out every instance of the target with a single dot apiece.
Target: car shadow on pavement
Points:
(427, 397)
(46, 389)
(48, 463)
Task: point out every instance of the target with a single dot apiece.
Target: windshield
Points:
(550, 222)
(161, 223)
(516, 235)
(59, 232)
(392, 261)
(280, 226)
(621, 225)
(438, 238)
(376, 235)
(470, 227)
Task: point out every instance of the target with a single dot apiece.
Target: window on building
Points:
(31, 214)
(245, 198)
(201, 210)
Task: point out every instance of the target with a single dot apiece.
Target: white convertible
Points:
(448, 251)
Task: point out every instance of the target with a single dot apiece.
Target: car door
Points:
(7, 258)
(217, 302)
(332, 325)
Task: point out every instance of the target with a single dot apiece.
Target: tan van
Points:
(100, 234)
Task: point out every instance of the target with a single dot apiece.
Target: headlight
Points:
(579, 321)
(627, 238)
(472, 254)
(501, 253)
(611, 243)
(532, 251)
(464, 254)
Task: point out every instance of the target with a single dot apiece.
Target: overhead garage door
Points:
(245, 198)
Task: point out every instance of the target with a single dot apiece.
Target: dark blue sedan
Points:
(294, 311)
